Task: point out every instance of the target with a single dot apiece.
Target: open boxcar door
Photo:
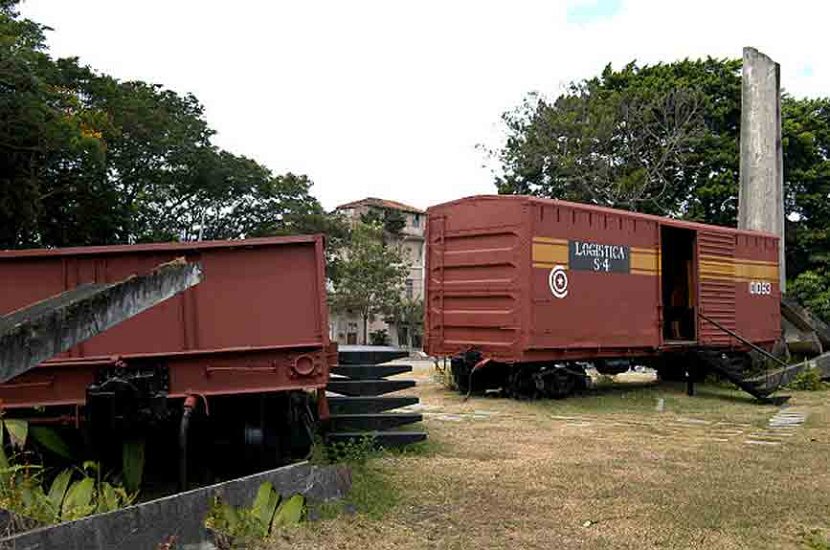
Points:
(679, 285)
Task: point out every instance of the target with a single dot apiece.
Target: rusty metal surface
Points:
(258, 322)
(46, 328)
(528, 279)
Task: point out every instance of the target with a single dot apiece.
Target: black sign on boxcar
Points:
(588, 256)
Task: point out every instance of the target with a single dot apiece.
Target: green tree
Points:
(87, 159)
(50, 156)
(812, 289)
(408, 318)
(392, 221)
(664, 139)
(371, 276)
(806, 145)
(659, 139)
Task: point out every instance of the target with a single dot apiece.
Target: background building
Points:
(348, 328)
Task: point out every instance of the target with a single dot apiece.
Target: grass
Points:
(815, 540)
(606, 469)
(372, 493)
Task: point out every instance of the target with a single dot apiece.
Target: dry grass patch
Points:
(601, 470)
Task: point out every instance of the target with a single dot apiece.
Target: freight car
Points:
(525, 292)
(230, 374)
(233, 375)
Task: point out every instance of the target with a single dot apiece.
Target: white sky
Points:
(389, 98)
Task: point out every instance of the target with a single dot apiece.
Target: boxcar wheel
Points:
(559, 383)
(460, 377)
(521, 383)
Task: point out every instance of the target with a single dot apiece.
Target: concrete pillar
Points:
(761, 197)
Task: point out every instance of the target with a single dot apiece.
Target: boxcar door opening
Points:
(677, 248)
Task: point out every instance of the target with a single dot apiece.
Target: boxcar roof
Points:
(158, 247)
(607, 210)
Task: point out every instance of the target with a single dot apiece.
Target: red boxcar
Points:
(521, 279)
(257, 323)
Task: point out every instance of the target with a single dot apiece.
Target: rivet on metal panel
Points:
(303, 365)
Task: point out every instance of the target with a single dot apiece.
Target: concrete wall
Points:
(181, 517)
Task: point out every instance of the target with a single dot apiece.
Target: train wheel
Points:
(521, 383)
(460, 377)
(565, 384)
(558, 382)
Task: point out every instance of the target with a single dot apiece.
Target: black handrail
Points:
(737, 336)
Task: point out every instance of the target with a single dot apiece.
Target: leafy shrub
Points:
(353, 453)
(807, 380)
(243, 527)
(812, 290)
(379, 337)
(71, 494)
(815, 540)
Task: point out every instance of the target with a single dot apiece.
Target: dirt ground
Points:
(633, 465)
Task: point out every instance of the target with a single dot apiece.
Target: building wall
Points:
(346, 329)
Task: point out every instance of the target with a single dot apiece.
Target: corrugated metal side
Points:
(716, 283)
(473, 288)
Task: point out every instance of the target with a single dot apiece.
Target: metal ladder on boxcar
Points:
(732, 367)
(361, 408)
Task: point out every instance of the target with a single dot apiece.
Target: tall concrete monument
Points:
(761, 197)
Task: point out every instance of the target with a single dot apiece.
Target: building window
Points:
(416, 220)
(408, 285)
(351, 335)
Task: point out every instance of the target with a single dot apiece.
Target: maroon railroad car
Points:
(532, 286)
(245, 348)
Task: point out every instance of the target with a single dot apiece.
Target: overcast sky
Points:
(389, 98)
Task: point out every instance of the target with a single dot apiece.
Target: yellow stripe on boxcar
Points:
(737, 269)
(544, 253)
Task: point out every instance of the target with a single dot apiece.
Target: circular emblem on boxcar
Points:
(558, 281)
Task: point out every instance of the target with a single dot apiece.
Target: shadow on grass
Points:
(731, 395)
(650, 397)
(702, 390)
